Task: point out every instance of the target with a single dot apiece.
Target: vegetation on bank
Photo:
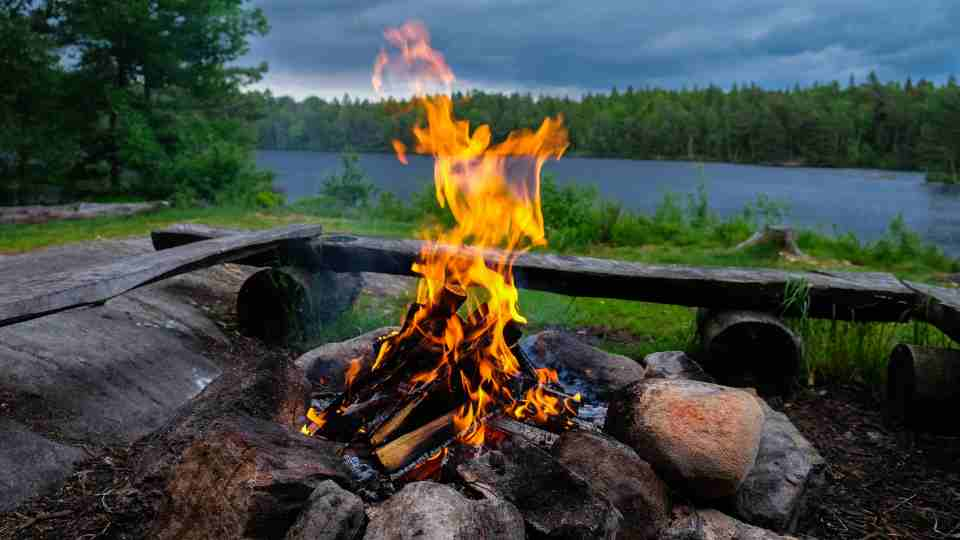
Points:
(683, 230)
(889, 125)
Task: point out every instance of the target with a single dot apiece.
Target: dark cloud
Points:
(327, 47)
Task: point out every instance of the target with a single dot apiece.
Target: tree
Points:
(147, 64)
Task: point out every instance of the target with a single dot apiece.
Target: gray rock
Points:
(602, 371)
(699, 437)
(430, 511)
(325, 366)
(554, 501)
(674, 365)
(691, 524)
(331, 513)
(31, 463)
(108, 374)
(787, 469)
(622, 477)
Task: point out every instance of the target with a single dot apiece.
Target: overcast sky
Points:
(327, 47)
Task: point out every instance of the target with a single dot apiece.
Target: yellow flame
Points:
(493, 193)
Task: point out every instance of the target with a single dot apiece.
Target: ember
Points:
(455, 363)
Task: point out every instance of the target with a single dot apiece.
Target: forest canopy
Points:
(892, 125)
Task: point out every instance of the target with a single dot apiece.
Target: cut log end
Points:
(276, 304)
(922, 384)
(748, 348)
(286, 304)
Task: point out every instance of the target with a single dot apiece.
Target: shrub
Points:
(351, 187)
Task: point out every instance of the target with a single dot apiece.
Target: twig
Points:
(43, 517)
(899, 504)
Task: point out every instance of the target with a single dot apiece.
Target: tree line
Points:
(140, 97)
(888, 125)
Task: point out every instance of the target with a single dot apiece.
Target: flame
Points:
(493, 192)
(352, 372)
(418, 61)
(317, 421)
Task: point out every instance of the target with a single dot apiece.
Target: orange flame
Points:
(493, 192)
(418, 62)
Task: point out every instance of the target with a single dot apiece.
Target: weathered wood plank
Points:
(939, 307)
(36, 296)
(845, 296)
(867, 296)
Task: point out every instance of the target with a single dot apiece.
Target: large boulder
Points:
(331, 513)
(622, 477)
(431, 511)
(691, 524)
(787, 468)
(674, 365)
(603, 372)
(699, 437)
(555, 502)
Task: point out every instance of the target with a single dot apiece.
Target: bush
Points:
(351, 187)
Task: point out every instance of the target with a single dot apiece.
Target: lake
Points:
(859, 200)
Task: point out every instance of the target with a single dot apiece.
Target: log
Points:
(783, 237)
(286, 304)
(750, 349)
(43, 214)
(923, 386)
(36, 296)
(405, 452)
(859, 296)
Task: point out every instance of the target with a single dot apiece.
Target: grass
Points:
(834, 350)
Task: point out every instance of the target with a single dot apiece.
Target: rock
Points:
(245, 477)
(431, 511)
(622, 477)
(31, 463)
(674, 365)
(554, 501)
(331, 513)
(690, 524)
(106, 375)
(699, 437)
(602, 371)
(787, 468)
(325, 366)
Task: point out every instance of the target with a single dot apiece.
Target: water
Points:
(860, 201)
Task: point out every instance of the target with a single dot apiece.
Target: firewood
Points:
(398, 455)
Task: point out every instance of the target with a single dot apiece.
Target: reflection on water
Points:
(861, 201)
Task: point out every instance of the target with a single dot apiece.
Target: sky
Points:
(327, 47)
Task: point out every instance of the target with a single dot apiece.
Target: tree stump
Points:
(750, 349)
(783, 237)
(285, 304)
(923, 383)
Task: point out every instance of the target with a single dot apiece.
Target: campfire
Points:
(454, 369)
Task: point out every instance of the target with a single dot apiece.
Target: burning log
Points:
(405, 452)
(749, 348)
(922, 382)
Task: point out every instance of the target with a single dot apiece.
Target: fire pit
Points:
(454, 366)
